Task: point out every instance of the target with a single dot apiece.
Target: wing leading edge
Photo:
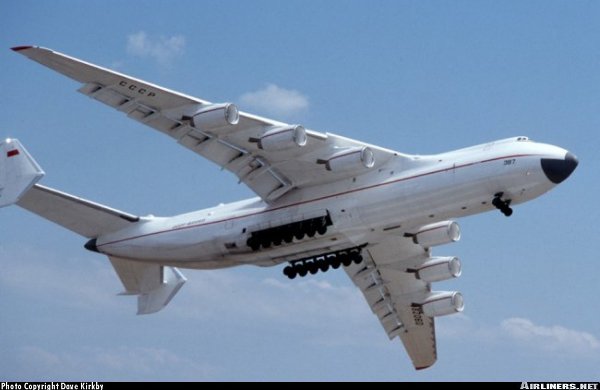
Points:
(271, 157)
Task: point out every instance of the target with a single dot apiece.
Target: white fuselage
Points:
(405, 194)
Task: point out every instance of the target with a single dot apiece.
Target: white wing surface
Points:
(393, 292)
(271, 157)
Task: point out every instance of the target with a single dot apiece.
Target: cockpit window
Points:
(522, 139)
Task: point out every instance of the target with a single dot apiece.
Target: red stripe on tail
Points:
(12, 153)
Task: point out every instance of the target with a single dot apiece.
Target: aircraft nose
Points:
(557, 170)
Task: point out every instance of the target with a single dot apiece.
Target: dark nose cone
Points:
(558, 170)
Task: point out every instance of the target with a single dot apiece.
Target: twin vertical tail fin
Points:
(18, 172)
(154, 284)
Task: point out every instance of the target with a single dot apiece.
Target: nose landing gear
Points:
(502, 205)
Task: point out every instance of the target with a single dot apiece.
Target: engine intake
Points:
(442, 303)
(439, 268)
(436, 234)
(216, 115)
(283, 138)
(354, 158)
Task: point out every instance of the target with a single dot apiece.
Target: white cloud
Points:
(274, 100)
(161, 49)
(523, 333)
(550, 338)
(81, 282)
(309, 304)
(39, 357)
(147, 361)
(325, 312)
(117, 363)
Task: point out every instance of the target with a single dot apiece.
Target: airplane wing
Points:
(81, 216)
(271, 157)
(391, 289)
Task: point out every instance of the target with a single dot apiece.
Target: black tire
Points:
(301, 270)
(253, 243)
(299, 234)
(498, 203)
(323, 266)
(322, 230)
(288, 236)
(313, 268)
(357, 259)
(290, 272)
(346, 260)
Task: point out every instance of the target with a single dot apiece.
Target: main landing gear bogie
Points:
(323, 263)
(502, 205)
(285, 234)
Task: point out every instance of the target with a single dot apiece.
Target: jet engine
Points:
(437, 234)
(283, 138)
(216, 115)
(442, 303)
(439, 268)
(350, 159)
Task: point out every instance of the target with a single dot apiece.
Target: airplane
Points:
(323, 202)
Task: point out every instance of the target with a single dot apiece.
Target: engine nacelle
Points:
(216, 115)
(439, 268)
(438, 233)
(351, 159)
(443, 303)
(283, 138)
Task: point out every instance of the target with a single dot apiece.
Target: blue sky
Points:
(418, 77)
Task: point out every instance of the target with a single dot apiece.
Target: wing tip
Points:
(20, 48)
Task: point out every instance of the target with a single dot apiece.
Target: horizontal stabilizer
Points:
(18, 172)
(154, 300)
(82, 216)
(155, 285)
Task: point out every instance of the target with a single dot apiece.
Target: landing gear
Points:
(322, 229)
(290, 272)
(323, 263)
(288, 235)
(285, 234)
(302, 271)
(502, 205)
(335, 262)
(323, 266)
(254, 243)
